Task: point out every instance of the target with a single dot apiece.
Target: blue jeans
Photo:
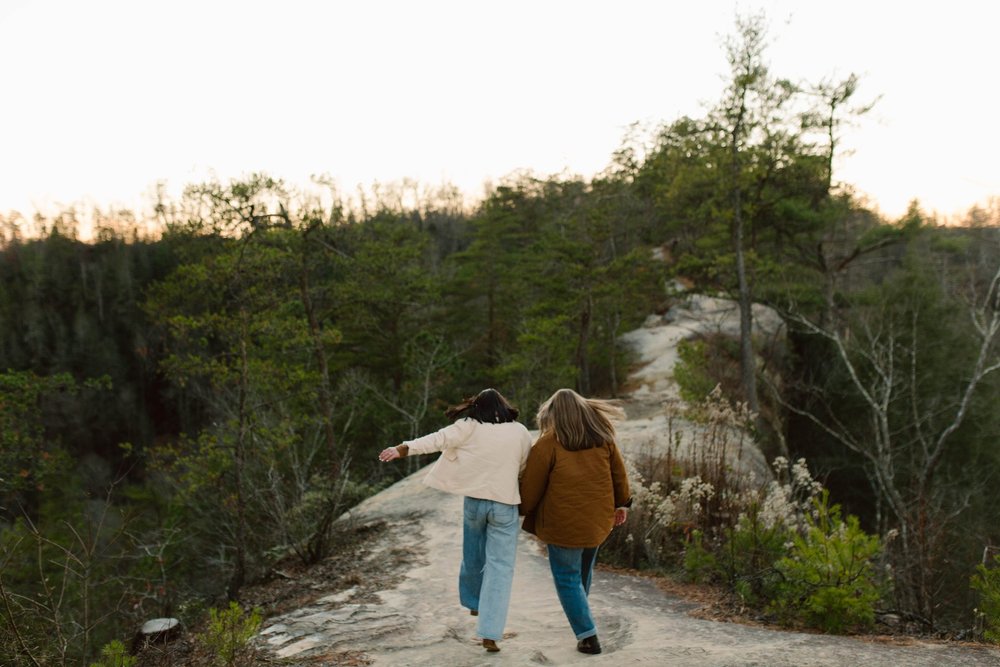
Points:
(572, 570)
(489, 547)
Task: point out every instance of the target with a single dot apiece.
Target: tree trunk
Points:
(613, 362)
(239, 454)
(325, 395)
(492, 358)
(748, 362)
(582, 359)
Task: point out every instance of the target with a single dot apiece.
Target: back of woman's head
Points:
(488, 407)
(578, 422)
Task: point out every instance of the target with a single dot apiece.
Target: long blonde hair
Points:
(578, 422)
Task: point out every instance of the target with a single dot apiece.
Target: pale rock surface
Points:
(420, 623)
(653, 385)
(158, 625)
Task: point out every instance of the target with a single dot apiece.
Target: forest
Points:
(182, 410)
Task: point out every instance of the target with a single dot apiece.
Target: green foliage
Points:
(26, 457)
(308, 524)
(256, 358)
(68, 307)
(921, 441)
(707, 364)
(547, 286)
(780, 547)
(114, 654)
(750, 551)
(986, 581)
(228, 633)
(690, 372)
(543, 360)
(700, 564)
(829, 578)
(73, 572)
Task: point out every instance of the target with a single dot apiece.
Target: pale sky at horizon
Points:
(102, 99)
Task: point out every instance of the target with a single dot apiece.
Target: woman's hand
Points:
(621, 516)
(388, 454)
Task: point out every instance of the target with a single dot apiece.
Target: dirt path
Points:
(420, 623)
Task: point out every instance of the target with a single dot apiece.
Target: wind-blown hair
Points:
(488, 407)
(578, 422)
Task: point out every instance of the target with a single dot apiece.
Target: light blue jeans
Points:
(489, 547)
(572, 570)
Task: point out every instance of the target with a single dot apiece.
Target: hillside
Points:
(401, 608)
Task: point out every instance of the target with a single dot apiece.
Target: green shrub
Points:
(691, 371)
(749, 553)
(986, 580)
(228, 635)
(779, 546)
(700, 564)
(114, 655)
(828, 579)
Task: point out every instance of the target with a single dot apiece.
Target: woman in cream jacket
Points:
(482, 454)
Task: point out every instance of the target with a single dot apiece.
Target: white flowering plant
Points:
(698, 515)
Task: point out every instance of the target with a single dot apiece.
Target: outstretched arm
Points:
(393, 453)
(450, 437)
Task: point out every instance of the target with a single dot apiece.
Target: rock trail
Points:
(420, 623)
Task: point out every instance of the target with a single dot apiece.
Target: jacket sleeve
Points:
(536, 475)
(450, 437)
(619, 479)
(525, 450)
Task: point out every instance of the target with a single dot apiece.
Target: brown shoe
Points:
(490, 646)
(473, 612)
(589, 645)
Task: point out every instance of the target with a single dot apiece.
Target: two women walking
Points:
(570, 486)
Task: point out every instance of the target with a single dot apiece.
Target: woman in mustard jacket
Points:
(573, 492)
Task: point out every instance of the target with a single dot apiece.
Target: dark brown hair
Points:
(488, 407)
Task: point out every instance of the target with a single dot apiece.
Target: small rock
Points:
(891, 620)
(157, 631)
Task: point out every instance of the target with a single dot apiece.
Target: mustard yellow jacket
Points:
(568, 498)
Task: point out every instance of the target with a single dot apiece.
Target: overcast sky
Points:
(99, 99)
